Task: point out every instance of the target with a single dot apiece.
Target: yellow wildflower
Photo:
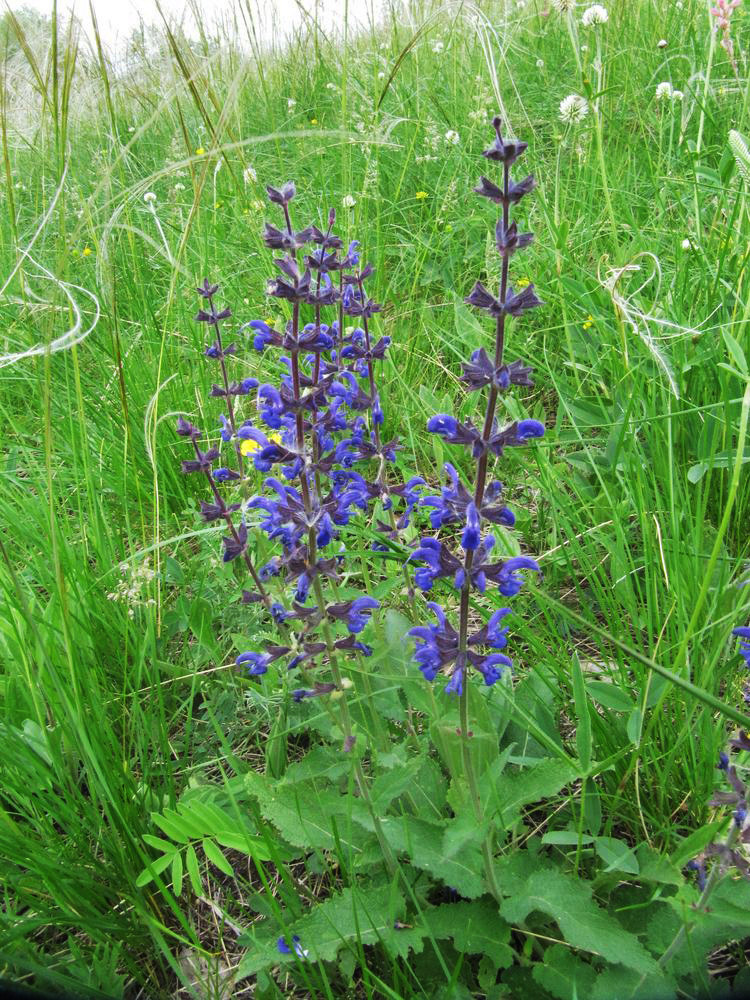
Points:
(522, 283)
(200, 151)
(589, 322)
(313, 121)
(421, 195)
(86, 251)
(250, 447)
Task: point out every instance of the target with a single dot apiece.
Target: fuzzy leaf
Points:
(564, 974)
(349, 919)
(513, 790)
(422, 843)
(581, 920)
(475, 928)
(303, 813)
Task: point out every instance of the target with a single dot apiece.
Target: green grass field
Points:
(118, 627)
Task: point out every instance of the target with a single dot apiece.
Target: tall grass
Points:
(114, 703)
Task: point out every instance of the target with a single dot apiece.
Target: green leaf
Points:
(583, 923)
(349, 919)
(564, 974)
(422, 843)
(216, 856)
(475, 928)
(617, 855)
(687, 849)
(634, 726)
(583, 727)
(156, 868)
(191, 863)
(735, 350)
(624, 984)
(177, 873)
(610, 696)
(390, 785)
(655, 867)
(513, 790)
(303, 813)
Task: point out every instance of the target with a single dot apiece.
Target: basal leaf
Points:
(475, 928)
(583, 923)
(564, 974)
(422, 843)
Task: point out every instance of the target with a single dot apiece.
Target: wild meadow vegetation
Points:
(211, 787)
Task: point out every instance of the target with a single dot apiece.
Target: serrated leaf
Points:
(349, 919)
(581, 920)
(564, 974)
(475, 928)
(656, 867)
(303, 814)
(513, 790)
(216, 856)
(422, 843)
(391, 784)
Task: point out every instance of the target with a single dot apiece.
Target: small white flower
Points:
(178, 187)
(662, 43)
(131, 128)
(686, 244)
(291, 103)
(677, 95)
(249, 174)
(149, 197)
(438, 46)
(452, 137)
(540, 64)
(573, 109)
(381, 75)
(563, 6)
(584, 48)
(594, 15)
(330, 85)
(348, 201)
(663, 91)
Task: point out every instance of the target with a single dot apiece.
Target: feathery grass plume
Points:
(738, 145)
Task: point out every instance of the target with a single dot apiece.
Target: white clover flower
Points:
(452, 137)
(540, 64)
(686, 244)
(677, 95)
(438, 46)
(663, 91)
(291, 103)
(563, 6)
(573, 109)
(178, 187)
(249, 174)
(594, 15)
(149, 197)
(662, 43)
(381, 75)
(348, 201)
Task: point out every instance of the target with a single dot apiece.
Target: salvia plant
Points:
(421, 818)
